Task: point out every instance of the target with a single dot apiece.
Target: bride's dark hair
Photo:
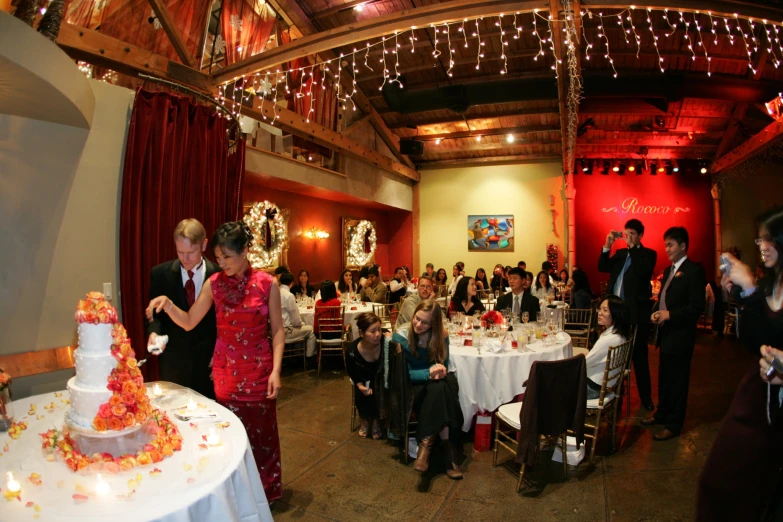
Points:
(771, 229)
(233, 236)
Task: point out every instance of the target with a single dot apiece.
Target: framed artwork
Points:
(491, 233)
(359, 242)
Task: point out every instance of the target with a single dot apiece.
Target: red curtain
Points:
(246, 26)
(177, 166)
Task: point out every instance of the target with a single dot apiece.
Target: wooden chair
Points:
(441, 290)
(296, 348)
(611, 388)
(354, 410)
(626, 389)
(577, 324)
(330, 321)
(387, 313)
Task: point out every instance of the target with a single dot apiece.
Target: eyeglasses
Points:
(423, 323)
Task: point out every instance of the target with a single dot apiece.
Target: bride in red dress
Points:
(250, 342)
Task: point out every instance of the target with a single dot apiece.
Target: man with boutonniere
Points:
(680, 304)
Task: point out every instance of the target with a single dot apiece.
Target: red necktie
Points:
(190, 289)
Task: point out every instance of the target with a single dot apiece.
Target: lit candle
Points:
(156, 391)
(213, 439)
(192, 406)
(101, 487)
(13, 485)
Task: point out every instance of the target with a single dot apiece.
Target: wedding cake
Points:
(107, 393)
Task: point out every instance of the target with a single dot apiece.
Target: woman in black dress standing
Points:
(363, 362)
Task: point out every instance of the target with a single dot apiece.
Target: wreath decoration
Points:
(356, 254)
(260, 254)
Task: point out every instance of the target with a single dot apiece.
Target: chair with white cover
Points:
(555, 413)
(611, 388)
(330, 331)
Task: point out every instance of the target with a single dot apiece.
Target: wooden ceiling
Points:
(508, 106)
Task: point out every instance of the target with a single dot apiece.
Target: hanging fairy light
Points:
(701, 41)
(654, 40)
(503, 45)
(602, 34)
(540, 40)
(636, 37)
(260, 254)
(357, 256)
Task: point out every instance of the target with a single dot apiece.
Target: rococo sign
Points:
(633, 206)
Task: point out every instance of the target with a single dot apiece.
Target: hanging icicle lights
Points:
(594, 25)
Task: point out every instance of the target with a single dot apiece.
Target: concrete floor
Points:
(329, 473)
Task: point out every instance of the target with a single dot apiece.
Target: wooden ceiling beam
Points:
(105, 51)
(481, 132)
(373, 28)
(409, 120)
(339, 7)
(167, 22)
(484, 147)
(754, 145)
(298, 124)
(488, 161)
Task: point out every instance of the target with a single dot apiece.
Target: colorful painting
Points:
(491, 233)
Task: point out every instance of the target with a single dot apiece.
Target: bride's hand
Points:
(156, 305)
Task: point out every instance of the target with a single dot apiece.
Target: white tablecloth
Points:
(489, 380)
(308, 315)
(195, 484)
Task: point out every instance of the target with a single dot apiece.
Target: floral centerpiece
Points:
(491, 319)
(6, 413)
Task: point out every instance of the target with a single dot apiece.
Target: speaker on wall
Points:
(412, 147)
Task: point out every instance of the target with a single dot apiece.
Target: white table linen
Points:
(489, 380)
(308, 315)
(217, 483)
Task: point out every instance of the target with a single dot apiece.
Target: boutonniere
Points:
(678, 274)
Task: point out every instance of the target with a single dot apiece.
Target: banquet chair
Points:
(354, 410)
(611, 389)
(578, 322)
(388, 314)
(626, 388)
(296, 348)
(330, 321)
(441, 290)
(550, 410)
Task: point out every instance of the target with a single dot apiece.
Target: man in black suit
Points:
(677, 313)
(519, 299)
(631, 270)
(187, 356)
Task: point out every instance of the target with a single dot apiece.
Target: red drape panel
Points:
(245, 24)
(177, 166)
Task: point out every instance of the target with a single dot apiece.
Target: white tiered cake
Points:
(94, 364)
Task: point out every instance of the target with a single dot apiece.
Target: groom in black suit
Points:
(677, 313)
(630, 272)
(187, 356)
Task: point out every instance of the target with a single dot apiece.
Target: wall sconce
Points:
(316, 233)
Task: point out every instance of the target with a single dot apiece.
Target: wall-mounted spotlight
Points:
(615, 166)
(605, 167)
(675, 166)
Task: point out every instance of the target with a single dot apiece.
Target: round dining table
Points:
(203, 481)
(489, 378)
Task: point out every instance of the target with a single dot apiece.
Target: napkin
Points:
(160, 342)
(561, 336)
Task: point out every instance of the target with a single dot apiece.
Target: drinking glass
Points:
(525, 317)
(539, 317)
(477, 339)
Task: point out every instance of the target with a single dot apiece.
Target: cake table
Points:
(201, 482)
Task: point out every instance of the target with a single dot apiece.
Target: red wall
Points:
(605, 202)
(324, 258)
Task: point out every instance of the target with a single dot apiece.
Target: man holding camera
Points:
(631, 270)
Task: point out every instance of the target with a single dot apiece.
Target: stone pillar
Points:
(570, 194)
(715, 191)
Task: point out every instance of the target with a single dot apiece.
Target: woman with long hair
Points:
(328, 299)
(465, 298)
(543, 287)
(581, 295)
(482, 283)
(363, 364)
(303, 286)
(435, 390)
(250, 341)
(739, 478)
(499, 280)
(564, 276)
(441, 278)
(345, 284)
(613, 317)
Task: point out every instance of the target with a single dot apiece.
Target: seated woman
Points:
(328, 298)
(481, 280)
(303, 287)
(345, 285)
(364, 364)
(441, 283)
(425, 344)
(581, 295)
(564, 276)
(465, 298)
(612, 315)
(499, 280)
(543, 287)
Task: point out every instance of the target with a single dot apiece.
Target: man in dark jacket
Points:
(630, 272)
(519, 300)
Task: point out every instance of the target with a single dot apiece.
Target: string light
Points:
(654, 40)
(602, 34)
(412, 39)
(451, 51)
(367, 55)
(745, 40)
(701, 42)
(635, 35)
(503, 45)
(396, 62)
(540, 41)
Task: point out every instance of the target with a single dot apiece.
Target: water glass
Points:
(525, 317)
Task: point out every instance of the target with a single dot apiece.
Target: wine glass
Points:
(525, 317)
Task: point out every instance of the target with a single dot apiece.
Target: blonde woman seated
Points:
(613, 316)
(364, 364)
(435, 391)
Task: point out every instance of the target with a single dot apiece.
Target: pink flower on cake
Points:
(104, 411)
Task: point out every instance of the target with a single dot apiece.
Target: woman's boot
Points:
(453, 469)
(422, 463)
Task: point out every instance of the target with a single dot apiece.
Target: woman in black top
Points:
(499, 281)
(481, 280)
(346, 284)
(303, 288)
(441, 278)
(739, 478)
(465, 299)
(581, 295)
(363, 363)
